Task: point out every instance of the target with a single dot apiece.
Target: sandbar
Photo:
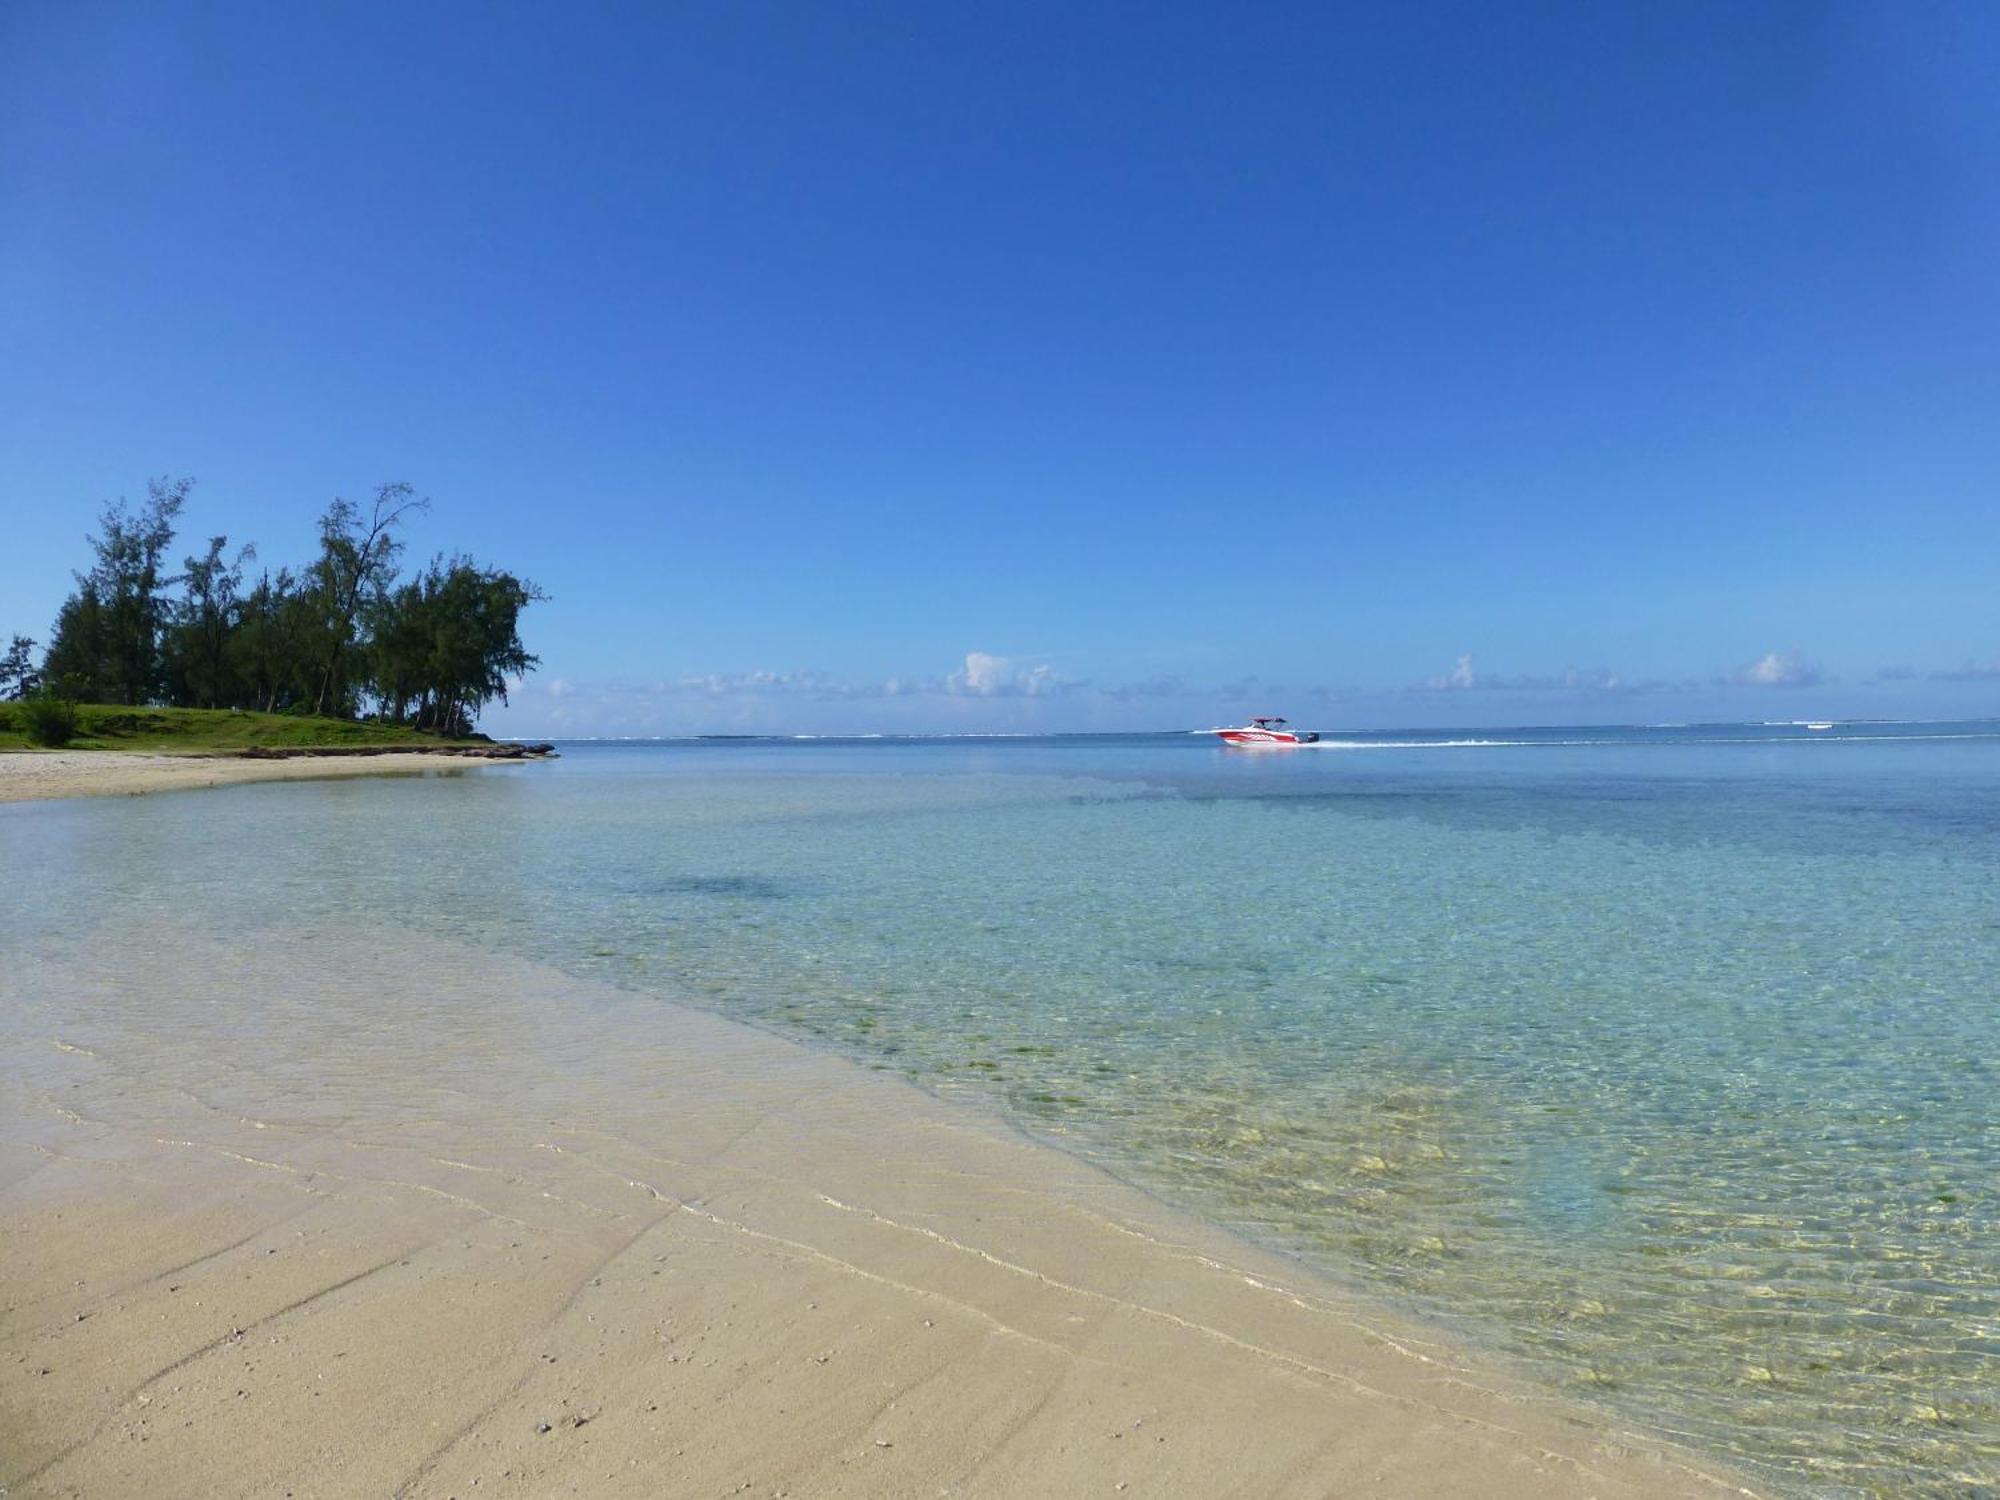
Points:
(32, 775)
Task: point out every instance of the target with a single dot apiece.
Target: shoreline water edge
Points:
(359, 1249)
(40, 775)
(1527, 1118)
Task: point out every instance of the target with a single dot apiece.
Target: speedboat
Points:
(1261, 733)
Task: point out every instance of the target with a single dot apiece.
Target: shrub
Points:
(48, 720)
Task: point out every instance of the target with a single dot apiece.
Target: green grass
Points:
(211, 730)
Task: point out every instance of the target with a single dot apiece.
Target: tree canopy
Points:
(106, 642)
(338, 635)
(18, 677)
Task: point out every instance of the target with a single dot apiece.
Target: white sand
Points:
(319, 1216)
(30, 775)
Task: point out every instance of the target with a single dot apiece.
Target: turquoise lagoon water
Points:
(1662, 1061)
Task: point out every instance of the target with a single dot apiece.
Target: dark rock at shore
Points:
(463, 752)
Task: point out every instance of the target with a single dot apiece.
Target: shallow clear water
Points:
(1664, 1061)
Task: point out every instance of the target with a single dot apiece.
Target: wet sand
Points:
(340, 1213)
(31, 775)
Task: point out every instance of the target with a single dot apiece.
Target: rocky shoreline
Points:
(507, 751)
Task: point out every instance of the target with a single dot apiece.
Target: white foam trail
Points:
(1432, 744)
(1721, 739)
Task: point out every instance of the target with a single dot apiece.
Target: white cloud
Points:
(1464, 677)
(1972, 671)
(730, 684)
(987, 676)
(1460, 679)
(1778, 669)
(983, 675)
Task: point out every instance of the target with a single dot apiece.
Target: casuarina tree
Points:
(18, 677)
(356, 565)
(106, 644)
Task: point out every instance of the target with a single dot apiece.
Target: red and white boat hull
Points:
(1257, 737)
(1263, 733)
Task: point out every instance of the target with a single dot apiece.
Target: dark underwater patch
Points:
(743, 887)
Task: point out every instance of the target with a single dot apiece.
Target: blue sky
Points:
(1051, 366)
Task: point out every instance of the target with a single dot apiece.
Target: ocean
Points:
(1662, 1062)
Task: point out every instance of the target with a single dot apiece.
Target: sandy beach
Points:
(27, 776)
(341, 1214)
